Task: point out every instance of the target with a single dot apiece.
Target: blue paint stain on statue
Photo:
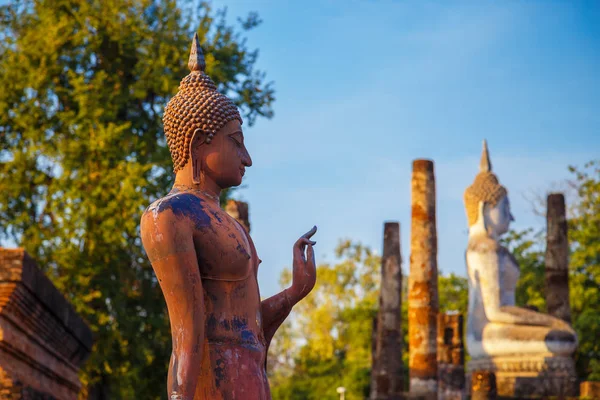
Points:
(189, 206)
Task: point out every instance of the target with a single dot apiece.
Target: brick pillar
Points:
(590, 390)
(239, 211)
(557, 259)
(387, 374)
(483, 385)
(422, 286)
(43, 342)
(450, 357)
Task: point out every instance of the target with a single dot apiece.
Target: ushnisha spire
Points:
(196, 62)
(485, 165)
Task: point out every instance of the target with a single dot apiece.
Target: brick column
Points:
(387, 374)
(590, 390)
(422, 287)
(483, 385)
(557, 259)
(239, 211)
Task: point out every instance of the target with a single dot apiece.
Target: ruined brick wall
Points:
(43, 342)
(483, 385)
(451, 357)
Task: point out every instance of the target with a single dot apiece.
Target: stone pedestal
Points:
(43, 342)
(525, 375)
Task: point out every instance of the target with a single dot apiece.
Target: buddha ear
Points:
(199, 137)
(481, 215)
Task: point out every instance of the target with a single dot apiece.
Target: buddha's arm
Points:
(170, 247)
(489, 279)
(275, 310)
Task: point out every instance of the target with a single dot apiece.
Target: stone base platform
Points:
(529, 375)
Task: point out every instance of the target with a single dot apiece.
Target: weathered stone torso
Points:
(233, 363)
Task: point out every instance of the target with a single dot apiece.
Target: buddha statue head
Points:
(203, 129)
(486, 201)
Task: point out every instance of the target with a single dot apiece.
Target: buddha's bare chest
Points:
(223, 249)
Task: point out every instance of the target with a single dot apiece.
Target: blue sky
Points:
(365, 87)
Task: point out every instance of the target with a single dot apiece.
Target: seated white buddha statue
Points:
(495, 326)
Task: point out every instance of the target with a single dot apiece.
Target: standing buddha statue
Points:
(529, 351)
(205, 261)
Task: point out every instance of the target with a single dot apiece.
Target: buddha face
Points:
(498, 218)
(225, 158)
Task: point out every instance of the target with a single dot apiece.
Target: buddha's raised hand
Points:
(305, 271)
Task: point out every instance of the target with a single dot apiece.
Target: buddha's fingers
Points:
(310, 233)
(310, 255)
(299, 250)
(300, 246)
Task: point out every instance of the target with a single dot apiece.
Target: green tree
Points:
(453, 293)
(528, 248)
(584, 277)
(327, 343)
(84, 84)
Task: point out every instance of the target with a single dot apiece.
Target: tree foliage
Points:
(584, 277)
(453, 293)
(327, 343)
(528, 248)
(84, 84)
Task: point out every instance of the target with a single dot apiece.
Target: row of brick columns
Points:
(436, 348)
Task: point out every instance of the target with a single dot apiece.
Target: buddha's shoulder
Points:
(483, 244)
(178, 207)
